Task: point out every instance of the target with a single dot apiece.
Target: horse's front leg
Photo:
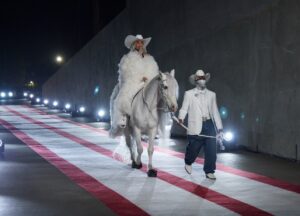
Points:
(138, 141)
(152, 133)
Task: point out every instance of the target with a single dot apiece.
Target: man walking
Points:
(203, 119)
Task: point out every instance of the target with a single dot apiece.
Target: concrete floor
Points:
(29, 185)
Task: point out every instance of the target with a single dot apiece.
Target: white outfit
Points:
(132, 68)
(198, 105)
(203, 100)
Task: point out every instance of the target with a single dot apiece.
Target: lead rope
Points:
(186, 128)
(222, 147)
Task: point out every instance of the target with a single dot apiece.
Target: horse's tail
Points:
(113, 96)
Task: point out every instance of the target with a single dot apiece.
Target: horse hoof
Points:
(134, 165)
(152, 173)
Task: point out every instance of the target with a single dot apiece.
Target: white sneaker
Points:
(188, 169)
(211, 176)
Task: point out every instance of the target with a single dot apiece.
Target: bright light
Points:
(101, 113)
(55, 103)
(38, 100)
(223, 112)
(96, 90)
(82, 109)
(31, 95)
(59, 59)
(46, 101)
(68, 106)
(228, 136)
(30, 84)
(3, 94)
(25, 94)
(10, 94)
(1, 146)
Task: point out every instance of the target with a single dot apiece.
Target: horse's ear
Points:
(172, 73)
(160, 75)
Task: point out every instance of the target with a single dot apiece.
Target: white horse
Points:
(147, 104)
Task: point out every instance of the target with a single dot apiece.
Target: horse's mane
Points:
(151, 81)
(143, 89)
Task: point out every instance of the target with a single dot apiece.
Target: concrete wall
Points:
(250, 48)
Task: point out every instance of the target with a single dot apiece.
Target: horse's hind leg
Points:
(151, 172)
(129, 144)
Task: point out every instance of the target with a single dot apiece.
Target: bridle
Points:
(163, 86)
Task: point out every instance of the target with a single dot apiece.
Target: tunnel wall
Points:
(250, 47)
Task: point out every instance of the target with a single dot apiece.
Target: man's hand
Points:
(220, 136)
(180, 121)
(144, 79)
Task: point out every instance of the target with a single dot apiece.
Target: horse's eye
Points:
(166, 87)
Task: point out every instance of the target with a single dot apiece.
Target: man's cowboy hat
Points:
(199, 73)
(130, 39)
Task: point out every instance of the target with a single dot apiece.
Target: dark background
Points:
(32, 33)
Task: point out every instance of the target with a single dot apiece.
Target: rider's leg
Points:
(121, 111)
(119, 118)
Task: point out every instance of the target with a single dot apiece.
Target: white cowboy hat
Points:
(130, 39)
(199, 73)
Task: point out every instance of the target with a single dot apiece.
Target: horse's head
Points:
(169, 89)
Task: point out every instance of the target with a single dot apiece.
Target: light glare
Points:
(82, 109)
(68, 106)
(46, 101)
(59, 59)
(228, 136)
(101, 113)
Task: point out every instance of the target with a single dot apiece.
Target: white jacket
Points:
(191, 106)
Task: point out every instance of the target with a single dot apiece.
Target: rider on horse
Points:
(136, 69)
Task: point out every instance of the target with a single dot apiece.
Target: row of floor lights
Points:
(4, 94)
(82, 109)
(228, 136)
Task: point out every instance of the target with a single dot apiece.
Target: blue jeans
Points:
(210, 147)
